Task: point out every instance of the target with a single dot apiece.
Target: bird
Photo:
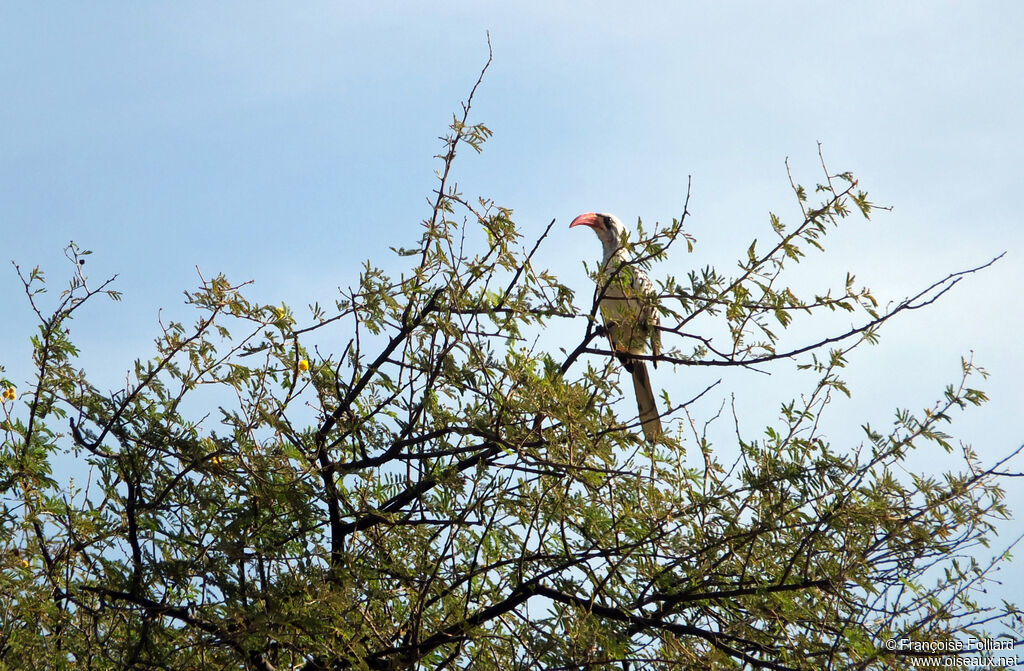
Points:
(628, 304)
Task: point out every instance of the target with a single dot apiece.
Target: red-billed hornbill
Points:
(628, 303)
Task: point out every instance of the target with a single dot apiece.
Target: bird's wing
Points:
(628, 306)
(649, 316)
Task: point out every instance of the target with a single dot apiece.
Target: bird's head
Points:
(609, 229)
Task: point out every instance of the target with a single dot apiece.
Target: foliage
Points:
(447, 493)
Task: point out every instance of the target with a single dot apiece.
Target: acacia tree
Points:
(448, 491)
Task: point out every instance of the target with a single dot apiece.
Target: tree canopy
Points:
(450, 491)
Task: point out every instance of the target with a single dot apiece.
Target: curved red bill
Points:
(588, 219)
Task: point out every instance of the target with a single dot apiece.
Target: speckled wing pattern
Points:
(629, 308)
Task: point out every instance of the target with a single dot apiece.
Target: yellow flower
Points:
(303, 365)
(10, 394)
(215, 461)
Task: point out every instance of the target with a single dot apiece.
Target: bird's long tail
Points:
(645, 403)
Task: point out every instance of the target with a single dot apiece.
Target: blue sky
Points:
(286, 142)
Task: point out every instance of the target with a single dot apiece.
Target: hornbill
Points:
(628, 303)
